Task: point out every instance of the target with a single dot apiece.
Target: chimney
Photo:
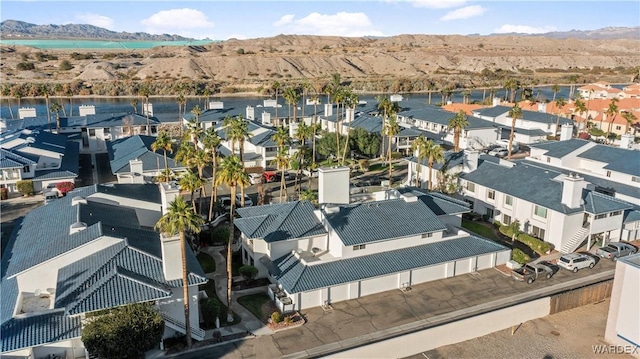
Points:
(147, 109)
(350, 115)
(216, 105)
(85, 110)
(470, 160)
(626, 140)
(333, 185)
(572, 186)
(266, 118)
(495, 102)
(328, 109)
(250, 113)
(168, 192)
(171, 257)
(136, 171)
(566, 132)
(542, 107)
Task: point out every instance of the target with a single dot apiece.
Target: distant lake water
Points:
(166, 108)
(99, 44)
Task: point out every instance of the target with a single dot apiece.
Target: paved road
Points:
(392, 309)
(13, 209)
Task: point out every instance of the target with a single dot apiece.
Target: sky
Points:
(222, 20)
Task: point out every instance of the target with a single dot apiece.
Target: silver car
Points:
(576, 261)
(616, 250)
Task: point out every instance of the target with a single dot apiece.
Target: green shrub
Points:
(506, 231)
(25, 66)
(65, 65)
(25, 187)
(240, 51)
(396, 155)
(276, 317)
(210, 311)
(364, 165)
(248, 272)
(539, 246)
(519, 256)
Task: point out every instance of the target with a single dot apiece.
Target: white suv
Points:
(576, 261)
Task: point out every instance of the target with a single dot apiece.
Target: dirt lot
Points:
(569, 334)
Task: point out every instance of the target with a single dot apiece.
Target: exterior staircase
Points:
(173, 323)
(577, 238)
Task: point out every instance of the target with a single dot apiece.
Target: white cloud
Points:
(95, 20)
(525, 29)
(286, 19)
(354, 24)
(432, 4)
(464, 13)
(186, 22)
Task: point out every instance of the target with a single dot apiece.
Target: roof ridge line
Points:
(119, 273)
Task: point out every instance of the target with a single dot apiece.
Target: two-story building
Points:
(39, 156)
(338, 252)
(92, 250)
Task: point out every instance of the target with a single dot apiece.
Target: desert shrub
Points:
(79, 56)
(248, 272)
(240, 51)
(65, 65)
(25, 187)
(519, 256)
(65, 187)
(276, 317)
(25, 66)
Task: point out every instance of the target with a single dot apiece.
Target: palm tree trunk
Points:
(513, 126)
(346, 145)
(48, 113)
(390, 165)
(313, 154)
(229, 252)
(430, 174)
(418, 172)
(193, 202)
(185, 288)
(242, 161)
(214, 191)
(166, 167)
(283, 184)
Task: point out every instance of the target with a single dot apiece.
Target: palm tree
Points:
(560, 103)
(163, 142)
(419, 149)
(6, 92)
(55, 107)
(282, 162)
(177, 220)
(514, 113)
(181, 100)
(304, 132)
(612, 111)
(512, 86)
(276, 87)
(306, 86)
(134, 103)
(292, 96)
(434, 153)
(206, 93)
(194, 131)
(200, 159)
(630, 119)
(191, 182)
(387, 108)
(458, 123)
(314, 128)
(46, 92)
(430, 88)
(211, 141)
(581, 107)
(392, 129)
(351, 101)
(281, 137)
(555, 88)
(231, 174)
(309, 195)
(145, 91)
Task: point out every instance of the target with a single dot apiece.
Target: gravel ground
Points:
(569, 334)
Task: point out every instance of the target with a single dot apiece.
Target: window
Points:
(616, 213)
(635, 179)
(491, 194)
(427, 235)
(601, 216)
(471, 187)
(548, 159)
(540, 211)
(106, 130)
(506, 219)
(359, 247)
(508, 200)
(618, 128)
(154, 129)
(537, 232)
(92, 132)
(26, 169)
(608, 173)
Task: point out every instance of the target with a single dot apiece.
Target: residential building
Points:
(133, 160)
(316, 257)
(445, 171)
(599, 90)
(92, 250)
(40, 156)
(621, 330)
(568, 193)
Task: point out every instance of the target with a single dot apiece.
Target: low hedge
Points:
(537, 245)
(520, 256)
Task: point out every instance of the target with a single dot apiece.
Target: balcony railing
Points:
(176, 324)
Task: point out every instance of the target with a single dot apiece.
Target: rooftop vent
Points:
(77, 227)
(78, 199)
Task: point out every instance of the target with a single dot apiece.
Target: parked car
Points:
(532, 271)
(505, 144)
(576, 261)
(50, 197)
(270, 176)
(225, 202)
(247, 200)
(255, 178)
(616, 250)
(499, 152)
(491, 148)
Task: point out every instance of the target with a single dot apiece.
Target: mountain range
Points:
(21, 29)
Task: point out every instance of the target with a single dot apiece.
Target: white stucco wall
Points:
(621, 329)
(174, 306)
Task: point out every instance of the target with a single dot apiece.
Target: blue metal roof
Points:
(559, 149)
(438, 203)
(69, 166)
(381, 220)
(533, 116)
(632, 216)
(618, 159)
(108, 120)
(422, 112)
(123, 150)
(13, 160)
(451, 159)
(36, 330)
(144, 192)
(295, 277)
(598, 203)
(279, 222)
(494, 111)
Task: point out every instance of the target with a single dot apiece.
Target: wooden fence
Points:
(581, 296)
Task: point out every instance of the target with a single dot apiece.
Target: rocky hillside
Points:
(406, 62)
(21, 29)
